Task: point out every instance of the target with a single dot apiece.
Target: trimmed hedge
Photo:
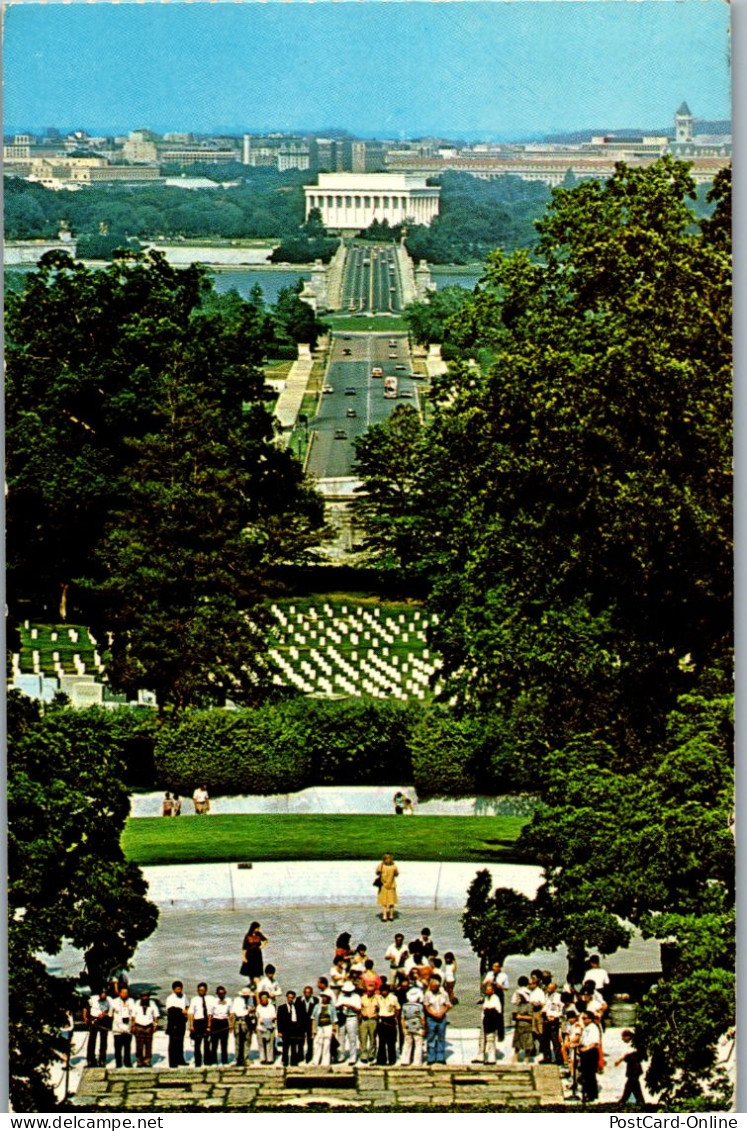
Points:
(284, 747)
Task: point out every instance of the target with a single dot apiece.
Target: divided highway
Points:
(355, 400)
(371, 282)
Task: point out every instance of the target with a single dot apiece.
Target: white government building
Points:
(349, 202)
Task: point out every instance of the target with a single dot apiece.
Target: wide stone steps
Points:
(231, 1088)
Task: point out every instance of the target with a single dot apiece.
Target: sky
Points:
(391, 69)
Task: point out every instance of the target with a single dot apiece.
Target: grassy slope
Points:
(153, 840)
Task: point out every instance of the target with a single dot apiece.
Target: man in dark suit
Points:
(292, 1028)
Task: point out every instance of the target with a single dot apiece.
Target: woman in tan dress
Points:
(387, 873)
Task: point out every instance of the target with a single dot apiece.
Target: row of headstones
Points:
(82, 691)
(371, 675)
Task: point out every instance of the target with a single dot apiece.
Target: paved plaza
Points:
(194, 945)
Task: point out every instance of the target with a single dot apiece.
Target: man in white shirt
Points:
(348, 1019)
(122, 1011)
(177, 1005)
(397, 953)
(268, 984)
(589, 1044)
(219, 1025)
(201, 800)
(552, 1012)
(499, 978)
(144, 1024)
(199, 1014)
(597, 975)
(244, 1021)
(266, 1018)
(98, 1017)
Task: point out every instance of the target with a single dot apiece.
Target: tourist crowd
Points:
(355, 1013)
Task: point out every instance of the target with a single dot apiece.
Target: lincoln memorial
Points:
(350, 202)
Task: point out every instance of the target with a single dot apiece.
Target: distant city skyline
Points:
(489, 70)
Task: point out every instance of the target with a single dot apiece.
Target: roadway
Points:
(371, 282)
(357, 399)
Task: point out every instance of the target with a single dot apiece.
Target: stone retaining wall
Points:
(241, 1089)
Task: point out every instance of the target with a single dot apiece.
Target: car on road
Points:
(350, 391)
(327, 389)
(347, 351)
(400, 367)
(340, 434)
(377, 371)
(352, 412)
(406, 394)
(346, 338)
(392, 345)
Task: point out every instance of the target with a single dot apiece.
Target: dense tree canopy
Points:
(145, 486)
(67, 876)
(570, 506)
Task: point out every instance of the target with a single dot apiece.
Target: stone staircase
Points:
(509, 1087)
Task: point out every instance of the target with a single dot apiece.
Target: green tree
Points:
(426, 320)
(68, 878)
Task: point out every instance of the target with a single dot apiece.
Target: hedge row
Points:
(287, 746)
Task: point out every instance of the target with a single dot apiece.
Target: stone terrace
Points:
(231, 1088)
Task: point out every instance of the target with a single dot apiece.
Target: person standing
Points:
(176, 806)
(177, 1006)
(369, 1020)
(491, 1016)
(399, 797)
(144, 1024)
(219, 1025)
(437, 1005)
(269, 984)
(386, 874)
(324, 1022)
(523, 1042)
(266, 1020)
(122, 1011)
(348, 1007)
(251, 952)
(198, 1014)
(449, 976)
(589, 1044)
(413, 1024)
(387, 1030)
(291, 1019)
(167, 806)
(98, 1017)
(244, 1022)
(310, 1000)
(633, 1071)
(201, 800)
(397, 953)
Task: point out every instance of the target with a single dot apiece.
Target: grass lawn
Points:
(254, 837)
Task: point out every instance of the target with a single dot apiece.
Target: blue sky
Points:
(389, 69)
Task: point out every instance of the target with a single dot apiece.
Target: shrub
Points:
(283, 747)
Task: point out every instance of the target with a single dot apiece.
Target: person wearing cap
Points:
(324, 1025)
(144, 1023)
(177, 1005)
(266, 1019)
(348, 1007)
(292, 1028)
(244, 1023)
(413, 1024)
